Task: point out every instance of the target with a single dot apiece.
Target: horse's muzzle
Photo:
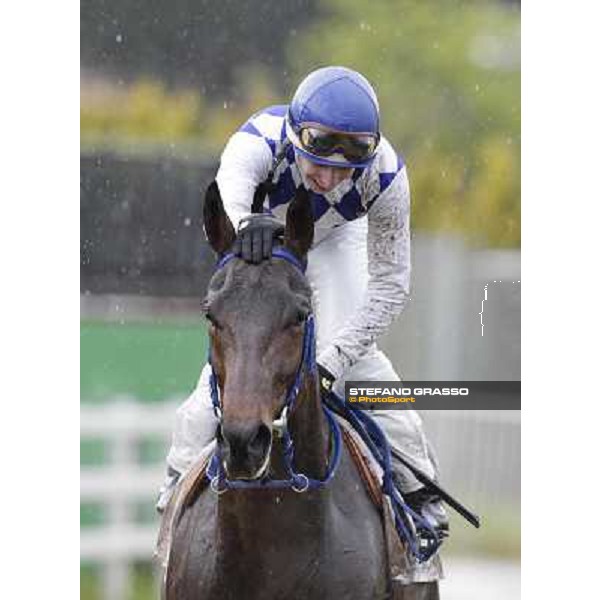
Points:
(245, 450)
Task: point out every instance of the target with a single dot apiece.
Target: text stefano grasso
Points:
(406, 391)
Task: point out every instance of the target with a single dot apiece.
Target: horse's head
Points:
(256, 317)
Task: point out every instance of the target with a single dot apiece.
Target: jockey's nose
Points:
(244, 449)
(325, 177)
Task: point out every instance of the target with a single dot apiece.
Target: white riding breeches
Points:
(337, 271)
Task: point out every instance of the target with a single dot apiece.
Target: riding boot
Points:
(166, 489)
(429, 506)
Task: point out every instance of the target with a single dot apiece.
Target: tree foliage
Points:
(448, 79)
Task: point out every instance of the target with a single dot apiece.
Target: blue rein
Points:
(298, 482)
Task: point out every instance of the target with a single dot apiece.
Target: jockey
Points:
(328, 140)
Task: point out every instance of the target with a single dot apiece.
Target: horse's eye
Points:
(299, 318)
(211, 319)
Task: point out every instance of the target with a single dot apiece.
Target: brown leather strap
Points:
(372, 485)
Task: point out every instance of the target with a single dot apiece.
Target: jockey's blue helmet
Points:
(333, 118)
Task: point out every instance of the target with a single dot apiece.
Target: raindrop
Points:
(119, 38)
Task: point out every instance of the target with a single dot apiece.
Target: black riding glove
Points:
(255, 237)
(326, 381)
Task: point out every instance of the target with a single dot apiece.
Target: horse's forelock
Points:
(237, 280)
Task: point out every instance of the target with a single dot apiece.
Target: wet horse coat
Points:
(273, 543)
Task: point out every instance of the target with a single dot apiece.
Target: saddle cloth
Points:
(402, 569)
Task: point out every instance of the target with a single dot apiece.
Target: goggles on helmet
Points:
(355, 147)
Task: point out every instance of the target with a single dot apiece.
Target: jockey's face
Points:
(319, 178)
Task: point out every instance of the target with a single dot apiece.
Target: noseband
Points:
(299, 482)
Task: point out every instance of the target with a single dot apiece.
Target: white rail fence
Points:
(479, 452)
(119, 484)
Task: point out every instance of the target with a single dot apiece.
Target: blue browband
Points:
(278, 252)
(299, 482)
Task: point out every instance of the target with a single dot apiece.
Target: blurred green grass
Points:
(150, 362)
(143, 584)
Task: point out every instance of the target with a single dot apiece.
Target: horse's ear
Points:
(299, 224)
(217, 226)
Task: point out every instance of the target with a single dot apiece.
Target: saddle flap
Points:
(186, 491)
(365, 463)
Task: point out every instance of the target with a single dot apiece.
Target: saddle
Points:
(403, 570)
(186, 491)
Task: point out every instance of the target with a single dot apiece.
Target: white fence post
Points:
(119, 483)
(119, 509)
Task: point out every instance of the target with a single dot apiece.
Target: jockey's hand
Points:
(256, 233)
(326, 380)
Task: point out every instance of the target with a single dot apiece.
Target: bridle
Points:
(422, 546)
(298, 482)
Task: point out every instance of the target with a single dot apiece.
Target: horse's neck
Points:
(309, 431)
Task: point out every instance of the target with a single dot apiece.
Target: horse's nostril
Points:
(244, 450)
(261, 442)
(243, 444)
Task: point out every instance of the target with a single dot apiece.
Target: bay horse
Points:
(274, 543)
